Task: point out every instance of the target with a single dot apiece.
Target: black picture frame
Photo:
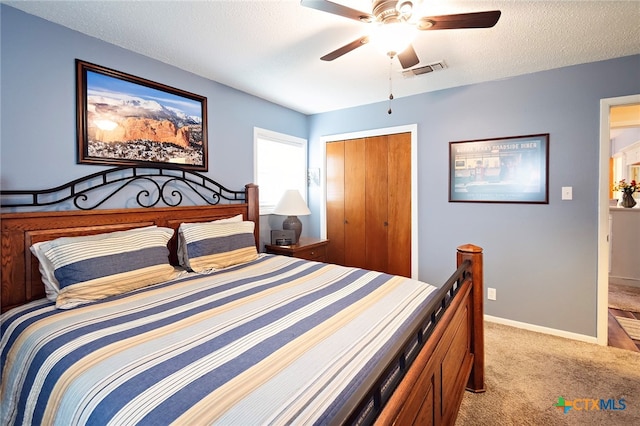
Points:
(501, 170)
(127, 120)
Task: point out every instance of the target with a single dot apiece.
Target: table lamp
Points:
(292, 205)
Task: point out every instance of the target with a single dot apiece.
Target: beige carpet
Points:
(527, 373)
(624, 297)
(631, 326)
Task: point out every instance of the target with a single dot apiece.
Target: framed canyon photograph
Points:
(127, 120)
(501, 170)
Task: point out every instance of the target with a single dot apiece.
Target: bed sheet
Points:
(277, 340)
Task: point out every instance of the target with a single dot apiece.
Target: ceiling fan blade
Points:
(461, 20)
(346, 49)
(408, 57)
(338, 9)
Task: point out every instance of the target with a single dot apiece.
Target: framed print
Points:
(127, 120)
(502, 170)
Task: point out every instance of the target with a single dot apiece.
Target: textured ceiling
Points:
(271, 49)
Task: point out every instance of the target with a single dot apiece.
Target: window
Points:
(280, 164)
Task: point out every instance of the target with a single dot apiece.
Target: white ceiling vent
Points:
(425, 69)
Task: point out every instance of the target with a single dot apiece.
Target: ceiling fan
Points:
(395, 21)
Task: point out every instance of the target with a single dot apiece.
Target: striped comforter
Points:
(273, 341)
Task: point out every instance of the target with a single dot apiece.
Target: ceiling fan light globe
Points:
(392, 38)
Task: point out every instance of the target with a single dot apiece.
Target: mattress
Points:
(273, 341)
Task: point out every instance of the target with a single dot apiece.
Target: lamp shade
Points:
(292, 204)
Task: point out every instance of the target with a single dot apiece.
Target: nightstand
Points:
(307, 248)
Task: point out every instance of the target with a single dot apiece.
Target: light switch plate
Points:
(491, 293)
(567, 193)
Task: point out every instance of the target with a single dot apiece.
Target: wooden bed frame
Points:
(426, 377)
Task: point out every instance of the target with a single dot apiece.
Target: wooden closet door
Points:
(376, 176)
(335, 202)
(355, 189)
(369, 203)
(399, 205)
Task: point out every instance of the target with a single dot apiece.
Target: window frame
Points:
(272, 136)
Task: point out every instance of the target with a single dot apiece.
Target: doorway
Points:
(603, 213)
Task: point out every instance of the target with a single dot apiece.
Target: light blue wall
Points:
(38, 133)
(540, 258)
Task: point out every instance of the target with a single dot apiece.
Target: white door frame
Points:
(410, 128)
(602, 304)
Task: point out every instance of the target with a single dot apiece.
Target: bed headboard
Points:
(157, 191)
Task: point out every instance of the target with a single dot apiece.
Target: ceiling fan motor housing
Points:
(387, 11)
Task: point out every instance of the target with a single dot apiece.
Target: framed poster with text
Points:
(502, 170)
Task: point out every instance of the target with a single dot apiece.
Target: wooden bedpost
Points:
(253, 200)
(474, 254)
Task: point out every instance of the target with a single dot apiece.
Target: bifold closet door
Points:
(335, 202)
(355, 207)
(346, 202)
(369, 203)
(376, 199)
(399, 205)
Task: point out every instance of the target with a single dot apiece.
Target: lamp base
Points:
(293, 223)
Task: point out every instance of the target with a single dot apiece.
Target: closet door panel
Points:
(335, 202)
(399, 210)
(355, 232)
(376, 202)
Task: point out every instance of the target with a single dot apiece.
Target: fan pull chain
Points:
(390, 83)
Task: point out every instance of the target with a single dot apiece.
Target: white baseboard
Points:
(540, 329)
(633, 282)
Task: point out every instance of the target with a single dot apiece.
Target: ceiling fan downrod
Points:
(390, 83)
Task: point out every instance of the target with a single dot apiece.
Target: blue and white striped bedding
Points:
(273, 341)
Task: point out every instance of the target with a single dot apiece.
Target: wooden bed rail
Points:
(443, 356)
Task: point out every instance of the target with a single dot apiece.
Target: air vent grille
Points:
(425, 69)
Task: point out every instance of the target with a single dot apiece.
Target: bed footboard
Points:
(452, 358)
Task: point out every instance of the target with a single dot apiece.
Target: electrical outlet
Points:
(491, 293)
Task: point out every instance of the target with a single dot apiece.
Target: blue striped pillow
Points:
(183, 259)
(94, 267)
(211, 246)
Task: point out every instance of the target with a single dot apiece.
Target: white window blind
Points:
(280, 164)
